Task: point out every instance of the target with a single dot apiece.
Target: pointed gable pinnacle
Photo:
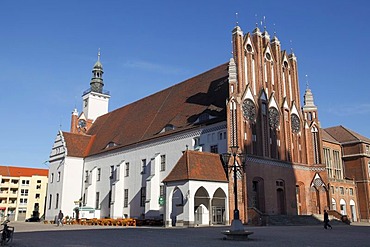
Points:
(308, 100)
(237, 30)
(232, 71)
(275, 40)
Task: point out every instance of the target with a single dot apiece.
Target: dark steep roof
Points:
(178, 106)
(343, 135)
(194, 165)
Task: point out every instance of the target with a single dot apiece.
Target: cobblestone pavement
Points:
(39, 234)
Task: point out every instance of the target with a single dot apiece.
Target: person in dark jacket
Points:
(326, 220)
(60, 218)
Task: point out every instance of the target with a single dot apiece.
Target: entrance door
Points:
(280, 201)
(218, 214)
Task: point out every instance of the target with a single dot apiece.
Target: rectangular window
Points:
(117, 172)
(111, 172)
(341, 190)
(98, 174)
(328, 162)
(214, 149)
(125, 202)
(37, 196)
(57, 201)
(24, 192)
(109, 198)
(127, 169)
(52, 178)
(86, 176)
(38, 187)
(39, 181)
(97, 201)
(163, 162)
(143, 196)
(50, 197)
(196, 142)
(58, 178)
(25, 182)
(23, 201)
(350, 191)
(337, 165)
(162, 192)
(219, 135)
(143, 165)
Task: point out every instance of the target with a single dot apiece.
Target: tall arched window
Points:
(315, 144)
(265, 123)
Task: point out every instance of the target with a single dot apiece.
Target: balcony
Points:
(12, 194)
(13, 185)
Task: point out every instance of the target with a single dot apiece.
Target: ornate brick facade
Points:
(284, 173)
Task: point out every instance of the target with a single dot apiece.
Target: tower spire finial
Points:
(264, 23)
(307, 84)
(99, 54)
(291, 46)
(236, 16)
(255, 15)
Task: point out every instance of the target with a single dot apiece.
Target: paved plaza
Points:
(39, 234)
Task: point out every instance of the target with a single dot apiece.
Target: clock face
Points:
(81, 123)
(274, 118)
(296, 125)
(249, 110)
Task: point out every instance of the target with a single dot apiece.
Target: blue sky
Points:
(48, 49)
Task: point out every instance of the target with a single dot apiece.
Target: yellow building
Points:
(22, 192)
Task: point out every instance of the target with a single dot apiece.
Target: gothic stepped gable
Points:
(179, 106)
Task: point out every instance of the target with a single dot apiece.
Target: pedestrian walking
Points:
(326, 220)
(60, 218)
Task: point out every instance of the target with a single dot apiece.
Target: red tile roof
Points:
(194, 165)
(12, 171)
(77, 145)
(179, 106)
(326, 137)
(343, 135)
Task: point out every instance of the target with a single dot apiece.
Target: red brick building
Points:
(280, 138)
(356, 169)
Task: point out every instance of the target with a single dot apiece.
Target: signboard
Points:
(161, 200)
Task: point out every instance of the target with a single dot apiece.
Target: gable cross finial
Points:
(291, 46)
(307, 84)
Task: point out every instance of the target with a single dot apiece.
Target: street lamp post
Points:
(236, 231)
(236, 224)
(234, 149)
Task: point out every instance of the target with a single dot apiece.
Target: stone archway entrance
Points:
(201, 207)
(219, 207)
(177, 206)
